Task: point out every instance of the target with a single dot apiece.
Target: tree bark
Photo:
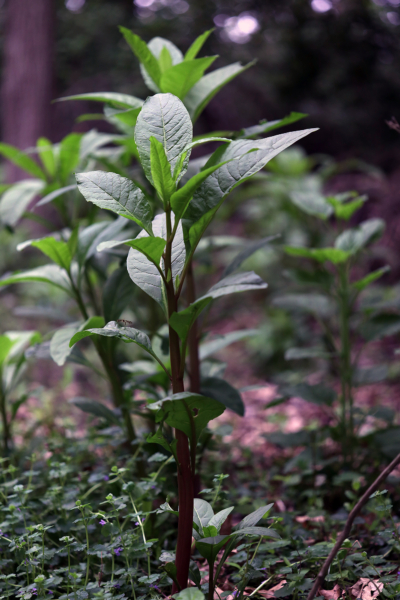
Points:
(27, 75)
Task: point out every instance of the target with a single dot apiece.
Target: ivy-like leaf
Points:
(118, 194)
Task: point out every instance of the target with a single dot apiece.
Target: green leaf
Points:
(209, 547)
(143, 53)
(158, 46)
(164, 117)
(91, 237)
(68, 158)
(158, 438)
(204, 90)
(202, 513)
(56, 194)
(17, 198)
(173, 410)
(118, 194)
(253, 518)
(182, 321)
(353, 240)
(221, 390)
(258, 531)
(179, 79)
(361, 284)
(22, 160)
(267, 126)
(247, 252)
(117, 292)
(52, 274)
(190, 593)
(251, 157)
(197, 45)
(5, 347)
(309, 198)
(112, 98)
(96, 409)
(144, 273)
(343, 209)
(181, 198)
(57, 250)
(310, 303)
(165, 59)
(219, 519)
(46, 153)
(221, 341)
(59, 345)
(335, 256)
(161, 171)
(151, 247)
(370, 375)
(305, 353)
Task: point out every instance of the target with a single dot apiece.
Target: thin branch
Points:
(346, 531)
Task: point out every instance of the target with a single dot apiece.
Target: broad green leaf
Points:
(219, 519)
(202, 513)
(209, 85)
(157, 46)
(112, 98)
(247, 252)
(5, 347)
(46, 153)
(158, 438)
(253, 518)
(121, 116)
(68, 157)
(144, 273)
(258, 531)
(161, 171)
(197, 45)
(96, 409)
(221, 390)
(20, 339)
(126, 334)
(252, 156)
(353, 240)
(143, 53)
(309, 198)
(179, 79)
(190, 593)
(91, 237)
(344, 209)
(118, 194)
(165, 59)
(151, 247)
(173, 411)
(209, 547)
(22, 160)
(181, 198)
(182, 321)
(267, 126)
(17, 198)
(52, 274)
(361, 284)
(59, 345)
(220, 342)
(209, 531)
(164, 117)
(56, 194)
(93, 141)
(116, 294)
(57, 250)
(310, 303)
(370, 375)
(335, 256)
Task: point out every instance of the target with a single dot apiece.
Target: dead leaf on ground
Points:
(331, 594)
(366, 588)
(267, 593)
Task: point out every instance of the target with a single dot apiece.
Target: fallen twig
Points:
(362, 501)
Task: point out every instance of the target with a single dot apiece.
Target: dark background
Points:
(337, 60)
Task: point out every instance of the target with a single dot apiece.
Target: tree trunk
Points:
(27, 75)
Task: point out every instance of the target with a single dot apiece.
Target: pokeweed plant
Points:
(347, 314)
(159, 257)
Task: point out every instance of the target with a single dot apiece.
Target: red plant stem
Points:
(185, 474)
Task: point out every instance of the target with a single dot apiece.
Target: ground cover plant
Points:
(63, 535)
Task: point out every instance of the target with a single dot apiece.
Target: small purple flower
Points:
(102, 522)
(118, 551)
(50, 592)
(116, 585)
(106, 478)
(236, 593)
(34, 590)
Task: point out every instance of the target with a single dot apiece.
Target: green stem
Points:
(128, 566)
(87, 554)
(6, 427)
(346, 366)
(139, 520)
